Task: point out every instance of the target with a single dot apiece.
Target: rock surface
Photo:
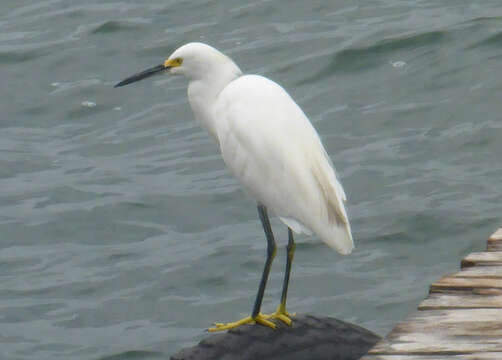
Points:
(310, 337)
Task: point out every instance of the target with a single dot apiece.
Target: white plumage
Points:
(268, 144)
(271, 147)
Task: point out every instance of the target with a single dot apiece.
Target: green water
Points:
(123, 236)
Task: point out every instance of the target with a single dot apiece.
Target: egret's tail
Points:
(332, 223)
(338, 237)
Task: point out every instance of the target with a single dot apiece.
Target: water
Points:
(123, 235)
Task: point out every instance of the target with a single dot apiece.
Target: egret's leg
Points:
(271, 250)
(256, 316)
(281, 312)
(291, 253)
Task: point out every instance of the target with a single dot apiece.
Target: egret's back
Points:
(272, 149)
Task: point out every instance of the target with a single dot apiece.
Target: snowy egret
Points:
(271, 147)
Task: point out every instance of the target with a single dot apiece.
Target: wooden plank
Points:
(465, 284)
(445, 332)
(461, 318)
(494, 272)
(482, 259)
(495, 241)
(497, 235)
(494, 245)
(441, 301)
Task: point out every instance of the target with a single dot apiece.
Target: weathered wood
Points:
(445, 332)
(494, 245)
(310, 337)
(497, 235)
(494, 272)
(465, 284)
(441, 301)
(461, 317)
(495, 241)
(483, 259)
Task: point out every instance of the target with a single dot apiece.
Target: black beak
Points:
(143, 75)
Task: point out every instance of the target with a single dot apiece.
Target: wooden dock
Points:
(460, 319)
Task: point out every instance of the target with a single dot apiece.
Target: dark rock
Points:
(310, 337)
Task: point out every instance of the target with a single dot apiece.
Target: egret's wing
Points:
(270, 146)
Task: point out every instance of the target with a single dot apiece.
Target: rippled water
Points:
(124, 237)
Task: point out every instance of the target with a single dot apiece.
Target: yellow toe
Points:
(259, 319)
(282, 314)
(284, 318)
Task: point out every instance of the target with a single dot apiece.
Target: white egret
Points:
(271, 147)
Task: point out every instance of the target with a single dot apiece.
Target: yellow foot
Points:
(282, 315)
(259, 319)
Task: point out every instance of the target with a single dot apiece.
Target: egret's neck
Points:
(203, 93)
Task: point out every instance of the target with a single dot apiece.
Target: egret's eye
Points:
(177, 61)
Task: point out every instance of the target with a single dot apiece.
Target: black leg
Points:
(291, 252)
(271, 250)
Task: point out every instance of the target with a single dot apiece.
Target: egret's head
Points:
(194, 60)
